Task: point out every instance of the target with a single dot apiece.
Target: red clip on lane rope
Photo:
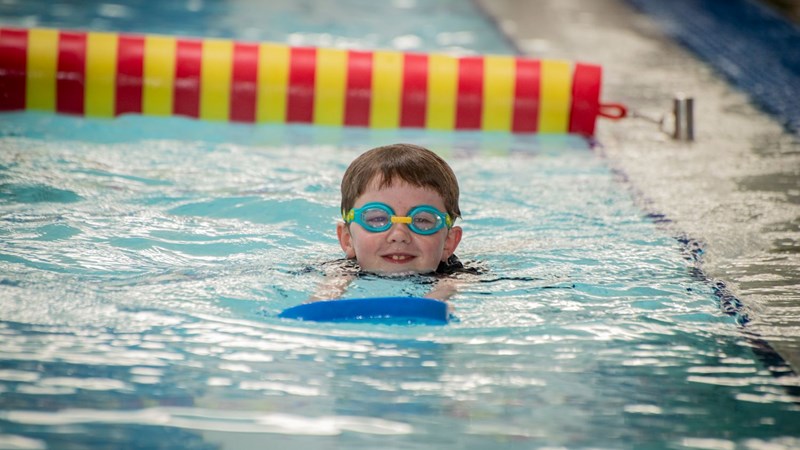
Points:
(613, 111)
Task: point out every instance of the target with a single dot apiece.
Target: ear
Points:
(345, 240)
(451, 242)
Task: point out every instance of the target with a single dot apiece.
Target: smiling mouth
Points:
(398, 259)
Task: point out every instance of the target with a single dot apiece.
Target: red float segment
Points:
(359, 88)
(130, 73)
(414, 91)
(526, 96)
(469, 100)
(188, 63)
(244, 82)
(13, 67)
(300, 96)
(70, 92)
(585, 99)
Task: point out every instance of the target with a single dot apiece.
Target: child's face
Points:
(398, 249)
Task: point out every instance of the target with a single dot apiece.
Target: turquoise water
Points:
(143, 263)
(142, 276)
(419, 25)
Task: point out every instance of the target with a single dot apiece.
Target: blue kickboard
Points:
(394, 310)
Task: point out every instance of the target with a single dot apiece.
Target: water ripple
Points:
(215, 420)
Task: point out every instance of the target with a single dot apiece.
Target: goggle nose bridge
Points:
(401, 219)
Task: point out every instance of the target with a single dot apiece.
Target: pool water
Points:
(142, 278)
(143, 263)
(454, 26)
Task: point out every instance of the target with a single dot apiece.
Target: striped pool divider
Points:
(107, 74)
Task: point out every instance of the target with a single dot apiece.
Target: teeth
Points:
(398, 257)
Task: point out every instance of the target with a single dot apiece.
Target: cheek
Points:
(364, 242)
(433, 246)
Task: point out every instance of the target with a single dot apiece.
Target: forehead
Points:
(399, 194)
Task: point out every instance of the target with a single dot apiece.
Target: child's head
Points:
(407, 180)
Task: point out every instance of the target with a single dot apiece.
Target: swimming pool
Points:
(144, 261)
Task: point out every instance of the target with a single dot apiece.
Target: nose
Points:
(399, 232)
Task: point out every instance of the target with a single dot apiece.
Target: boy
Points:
(399, 204)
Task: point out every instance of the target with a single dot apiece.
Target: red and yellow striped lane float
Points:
(102, 74)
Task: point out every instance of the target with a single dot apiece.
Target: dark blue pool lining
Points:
(754, 47)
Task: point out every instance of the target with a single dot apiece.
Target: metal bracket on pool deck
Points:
(683, 116)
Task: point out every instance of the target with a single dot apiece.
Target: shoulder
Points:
(454, 265)
(342, 266)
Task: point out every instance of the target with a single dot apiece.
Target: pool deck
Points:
(735, 189)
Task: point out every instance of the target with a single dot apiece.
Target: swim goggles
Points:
(377, 217)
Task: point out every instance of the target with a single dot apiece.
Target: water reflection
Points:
(151, 304)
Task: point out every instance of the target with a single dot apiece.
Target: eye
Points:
(425, 220)
(375, 218)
